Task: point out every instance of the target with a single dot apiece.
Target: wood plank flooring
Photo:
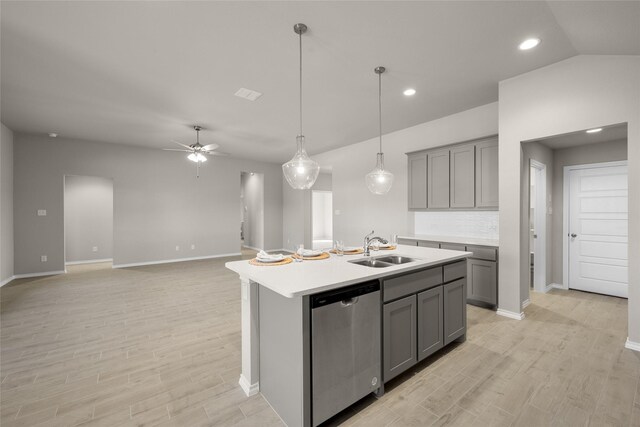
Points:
(160, 345)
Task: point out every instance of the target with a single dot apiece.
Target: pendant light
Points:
(301, 172)
(379, 181)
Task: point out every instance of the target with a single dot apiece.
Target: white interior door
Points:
(598, 236)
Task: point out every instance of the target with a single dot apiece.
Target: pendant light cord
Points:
(300, 83)
(380, 108)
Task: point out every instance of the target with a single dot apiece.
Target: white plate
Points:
(311, 253)
(269, 260)
(351, 248)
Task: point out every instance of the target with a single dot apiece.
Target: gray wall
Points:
(6, 204)
(581, 155)
(544, 155)
(158, 201)
(88, 218)
(253, 200)
(297, 212)
(561, 98)
(361, 211)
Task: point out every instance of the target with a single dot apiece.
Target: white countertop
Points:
(453, 239)
(310, 277)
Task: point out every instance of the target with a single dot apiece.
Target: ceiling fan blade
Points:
(217, 153)
(210, 147)
(177, 149)
(181, 144)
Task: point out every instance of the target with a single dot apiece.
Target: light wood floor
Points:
(160, 345)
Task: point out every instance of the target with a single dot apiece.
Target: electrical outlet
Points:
(42, 212)
(43, 258)
(337, 212)
(177, 248)
(94, 249)
(193, 246)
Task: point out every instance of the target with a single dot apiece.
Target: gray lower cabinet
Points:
(418, 181)
(430, 322)
(487, 173)
(455, 310)
(409, 242)
(438, 179)
(399, 332)
(462, 176)
(483, 280)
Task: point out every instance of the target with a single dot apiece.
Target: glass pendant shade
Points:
(197, 157)
(301, 172)
(379, 181)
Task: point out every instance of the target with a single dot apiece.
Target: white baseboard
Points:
(169, 261)
(635, 346)
(249, 389)
(252, 248)
(7, 281)
(555, 286)
(510, 314)
(526, 303)
(89, 261)
(45, 273)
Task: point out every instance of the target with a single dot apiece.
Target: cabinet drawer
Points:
(455, 271)
(411, 283)
(424, 244)
(452, 246)
(480, 252)
(409, 242)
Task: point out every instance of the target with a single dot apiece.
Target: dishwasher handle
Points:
(349, 302)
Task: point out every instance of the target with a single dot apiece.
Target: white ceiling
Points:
(574, 139)
(142, 73)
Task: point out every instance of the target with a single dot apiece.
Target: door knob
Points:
(574, 235)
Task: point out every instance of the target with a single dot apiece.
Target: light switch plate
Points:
(42, 212)
(94, 249)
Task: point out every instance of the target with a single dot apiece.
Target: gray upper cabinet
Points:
(487, 173)
(462, 169)
(418, 181)
(438, 179)
(460, 176)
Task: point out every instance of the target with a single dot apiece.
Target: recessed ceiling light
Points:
(529, 44)
(249, 94)
(409, 92)
(596, 130)
(53, 135)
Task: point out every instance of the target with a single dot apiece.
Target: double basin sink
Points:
(383, 261)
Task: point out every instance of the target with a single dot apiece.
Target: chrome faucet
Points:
(368, 240)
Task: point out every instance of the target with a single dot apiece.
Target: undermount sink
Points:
(395, 259)
(383, 261)
(371, 262)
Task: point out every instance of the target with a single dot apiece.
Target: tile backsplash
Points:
(481, 224)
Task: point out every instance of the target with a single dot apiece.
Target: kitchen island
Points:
(277, 325)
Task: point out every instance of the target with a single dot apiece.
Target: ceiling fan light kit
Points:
(301, 171)
(379, 180)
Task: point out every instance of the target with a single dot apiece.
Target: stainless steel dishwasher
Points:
(345, 348)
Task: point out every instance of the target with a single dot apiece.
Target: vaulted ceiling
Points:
(142, 73)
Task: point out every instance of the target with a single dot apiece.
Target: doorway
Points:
(88, 220)
(537, 225)
(596, 227)
(251, 211)
(321, 219)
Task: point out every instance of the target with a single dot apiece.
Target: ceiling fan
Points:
(197, 152)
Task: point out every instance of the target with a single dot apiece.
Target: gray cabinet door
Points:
(455, 310)
(483, 281)
(463, 176)
(399, 336)
(487, 173)
(438, 179)
(418, 181)
(430, 327)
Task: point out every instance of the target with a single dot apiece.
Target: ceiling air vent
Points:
(249, 94)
